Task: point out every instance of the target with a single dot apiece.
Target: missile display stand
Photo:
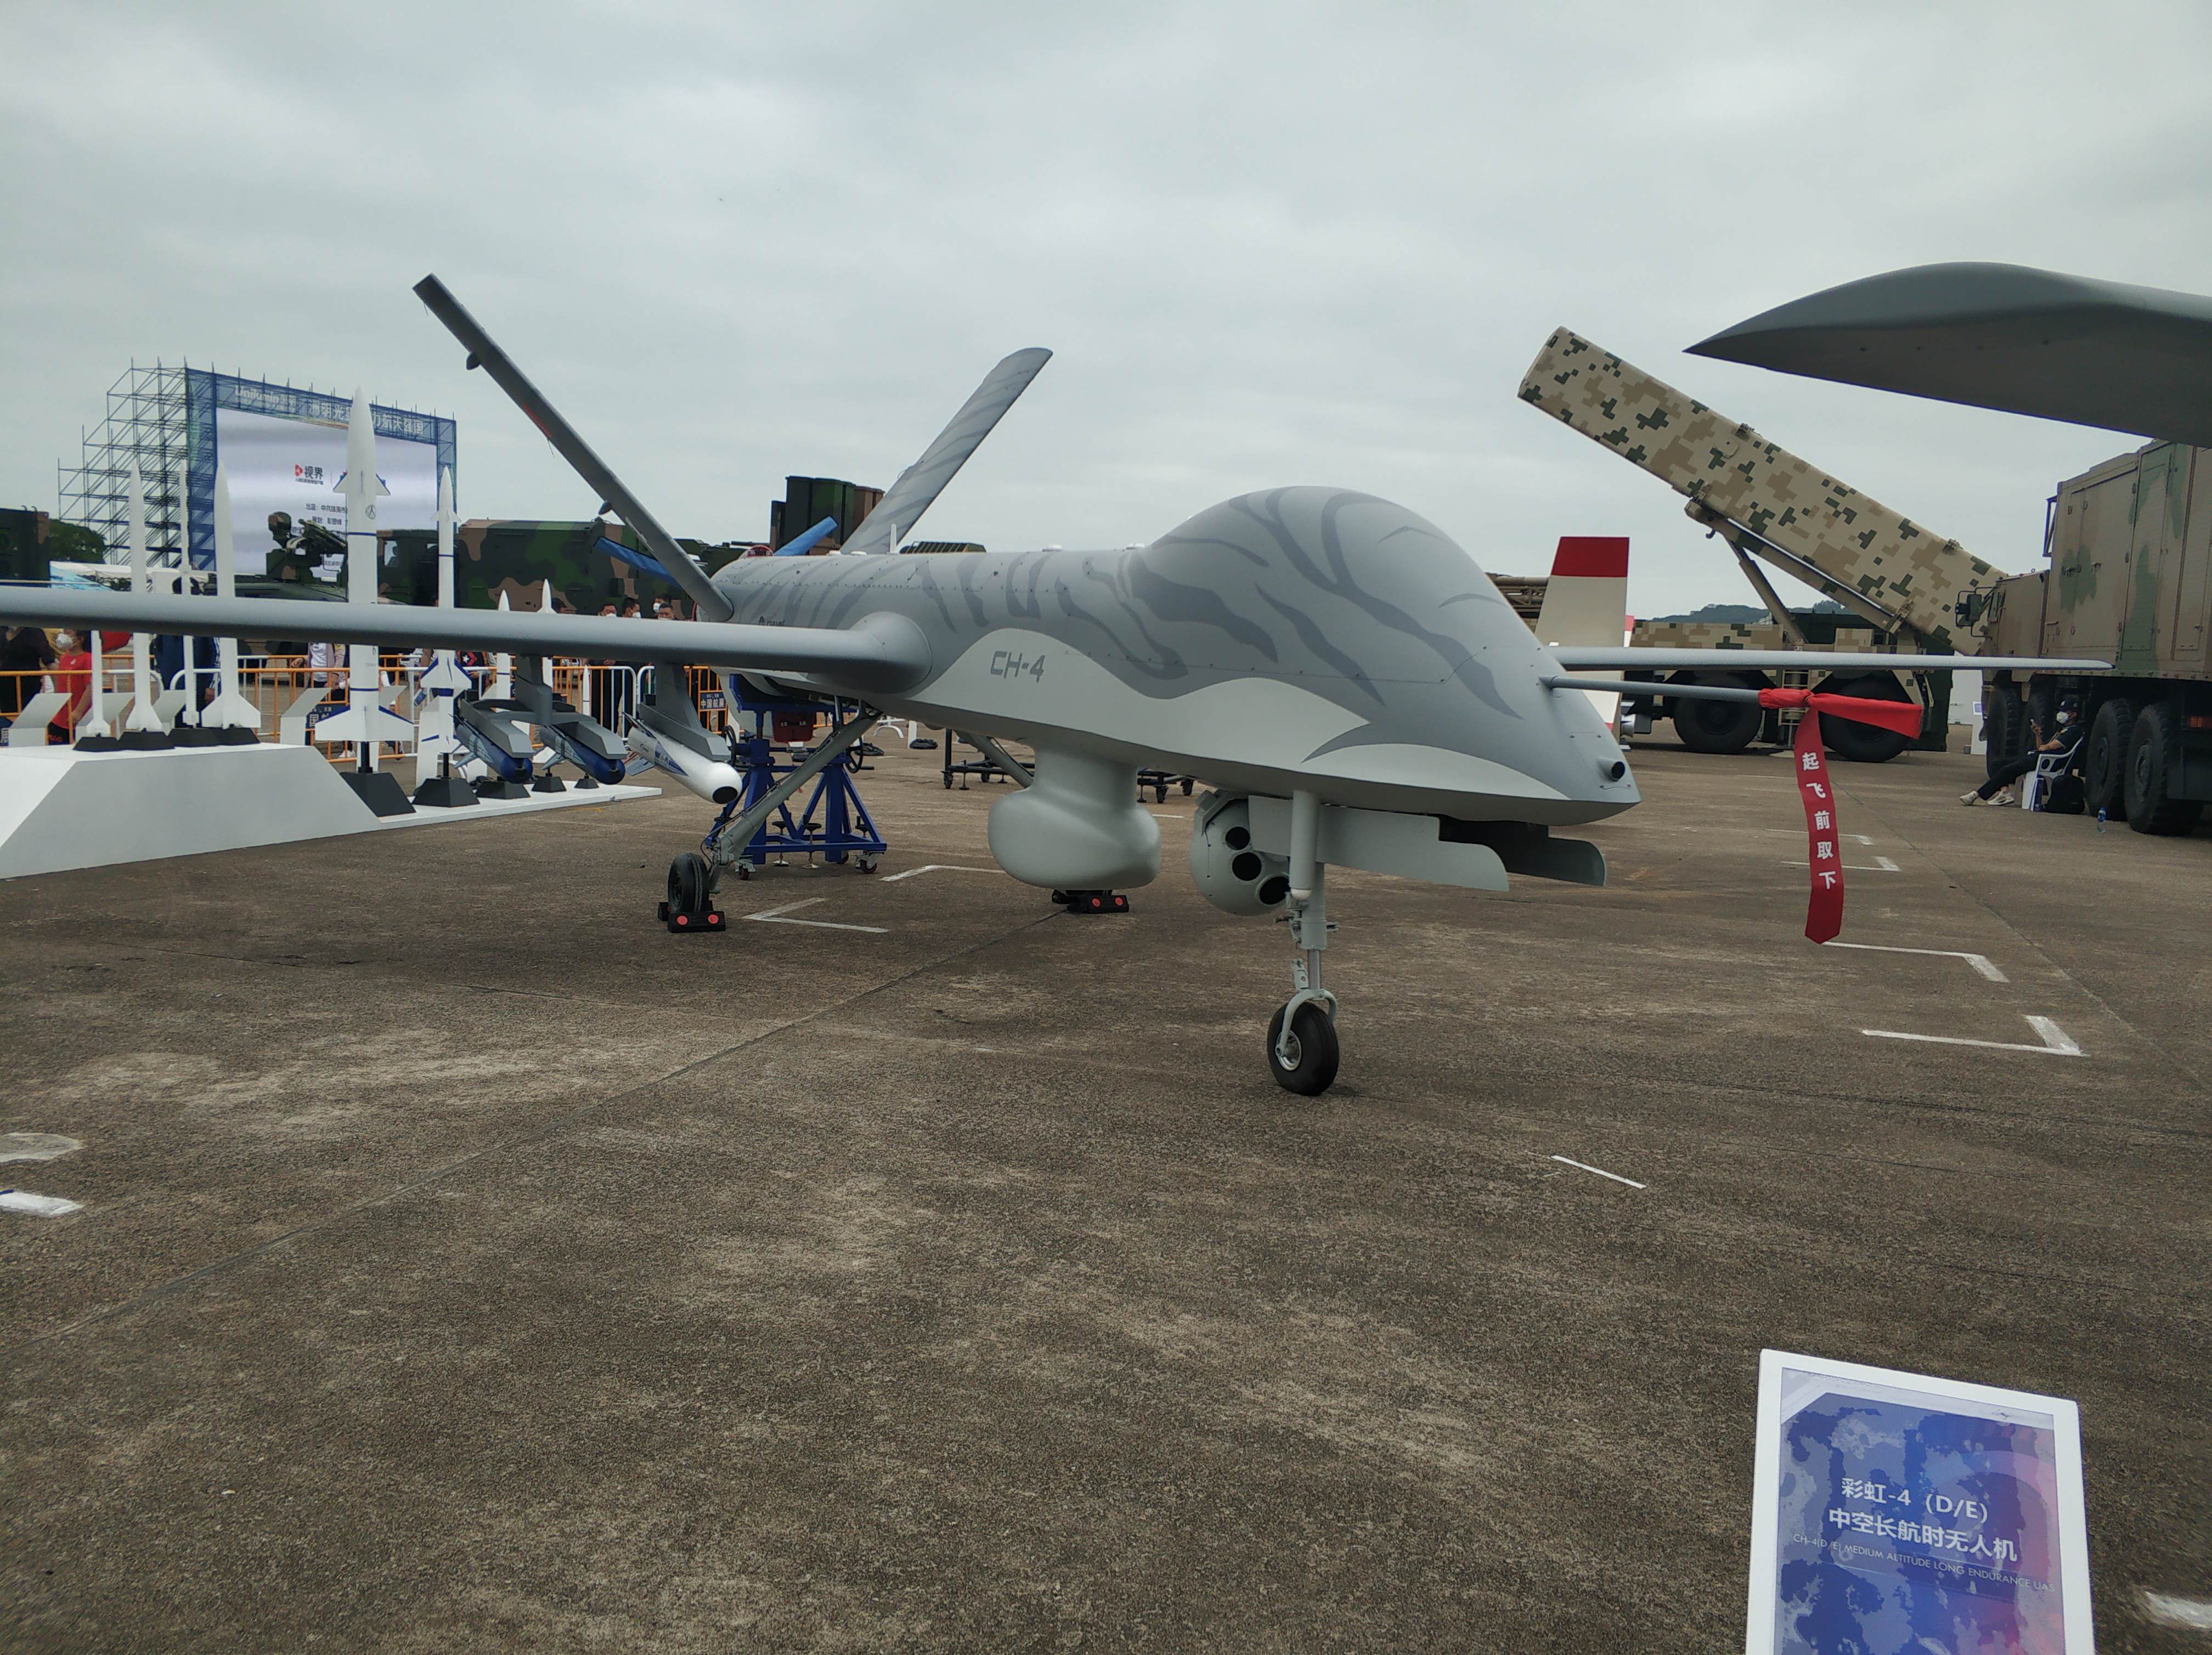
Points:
(835, 824)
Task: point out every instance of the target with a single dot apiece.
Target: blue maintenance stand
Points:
(834, 823)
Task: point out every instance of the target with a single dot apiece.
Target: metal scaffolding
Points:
(165, 419)
(147, 421)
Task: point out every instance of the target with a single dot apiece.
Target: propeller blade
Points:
(920, 484)
(682, 567)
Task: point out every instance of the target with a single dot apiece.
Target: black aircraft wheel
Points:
(688, 886)
(1312, 1048)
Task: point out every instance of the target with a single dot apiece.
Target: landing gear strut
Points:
(1302, 1049)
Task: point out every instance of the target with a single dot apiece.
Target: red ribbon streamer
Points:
(1824, 909)
(1824, 853)
(1902, 716)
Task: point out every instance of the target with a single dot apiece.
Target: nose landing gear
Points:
(1301, 1048)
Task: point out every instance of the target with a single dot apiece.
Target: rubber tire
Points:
(2105, 758)
(1865, 744)
(687, 884)
(2004, 725)
(1315, 1034)
(1717, 726)
(2151, 755)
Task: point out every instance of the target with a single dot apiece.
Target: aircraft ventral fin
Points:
(920, 484)
(682, 567)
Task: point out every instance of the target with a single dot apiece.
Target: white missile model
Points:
(502, 665)
(93, 726)
(710, 778)
(364, 721)
(229, 711)
(435, 742)
(141, 721)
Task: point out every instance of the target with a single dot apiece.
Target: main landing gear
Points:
(1092, 902)
(1302, 1049)
(692, 877)
(690, 904)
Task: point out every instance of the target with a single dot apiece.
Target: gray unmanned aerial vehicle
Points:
(1347, 680)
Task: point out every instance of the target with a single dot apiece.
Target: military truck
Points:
(1903, 587)
(2130, 547)
(516, 558)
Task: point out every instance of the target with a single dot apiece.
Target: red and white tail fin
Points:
(1586, 600)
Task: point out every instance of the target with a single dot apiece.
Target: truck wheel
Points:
(2003, 724)
(2104, 759)
(1716, 726)
(1865, 744)
(2154, 755)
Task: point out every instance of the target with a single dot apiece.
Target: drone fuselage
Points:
(1307, 640)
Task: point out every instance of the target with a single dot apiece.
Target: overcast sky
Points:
(1270, 244)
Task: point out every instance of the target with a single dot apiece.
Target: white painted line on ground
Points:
(31, 1206)
(2057, 1043)
(1979, 962)
(776, 916)
(1856, 839)
(2190, 1613)
(35, 1146)
(1601, 1173)
(1880, 865)
(933, 867)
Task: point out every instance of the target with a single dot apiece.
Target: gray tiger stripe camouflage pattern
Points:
(1311, 631)
(1728, 467)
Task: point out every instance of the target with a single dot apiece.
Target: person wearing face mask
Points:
(2063, 739)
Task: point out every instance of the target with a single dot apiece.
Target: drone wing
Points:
(880, 653)
(2007, 337)
(920, 484)
(682, 567)
(1582, 659)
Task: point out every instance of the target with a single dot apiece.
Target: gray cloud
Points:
(1270, 244)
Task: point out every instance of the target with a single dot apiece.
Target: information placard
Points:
(1896, 1514)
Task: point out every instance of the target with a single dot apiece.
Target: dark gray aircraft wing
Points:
(880, 653)
(920, 484)
(2005, 337)
(682, 567)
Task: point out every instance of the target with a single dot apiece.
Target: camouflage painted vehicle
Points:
(1905, 588)
(2130, 581)
(517, 557)
(26, 548)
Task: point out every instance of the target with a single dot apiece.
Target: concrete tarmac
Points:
(466, 1262)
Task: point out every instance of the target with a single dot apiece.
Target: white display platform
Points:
(62, 809)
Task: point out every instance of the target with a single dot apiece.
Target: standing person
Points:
(24, 656)
(72, 677)
(2062, 739)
